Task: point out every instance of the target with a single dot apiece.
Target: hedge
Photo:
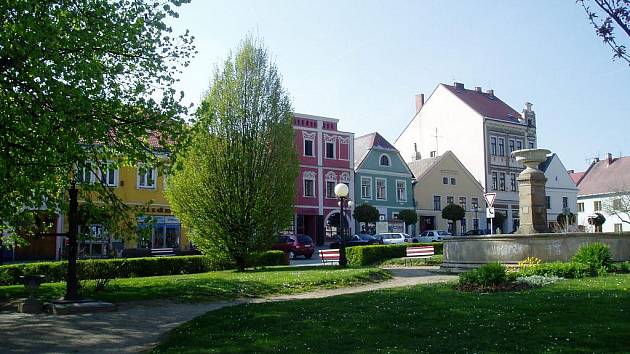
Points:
(366, 255)
(558, 269)
(131, 267)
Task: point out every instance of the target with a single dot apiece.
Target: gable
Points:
(556, 173)
(373, 157)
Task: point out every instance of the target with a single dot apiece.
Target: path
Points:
(138, 326)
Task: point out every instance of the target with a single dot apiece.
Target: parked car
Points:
(295, 245)
(359, 240)
(433, 235)
(390, 238)
(476, 232)
(371, 240)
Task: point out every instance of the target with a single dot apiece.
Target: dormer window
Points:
(384, 161)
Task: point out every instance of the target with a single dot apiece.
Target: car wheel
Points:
(309, 256)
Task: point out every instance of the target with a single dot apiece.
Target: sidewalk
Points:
(138, 326)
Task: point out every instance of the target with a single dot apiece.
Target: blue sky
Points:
(363, 61)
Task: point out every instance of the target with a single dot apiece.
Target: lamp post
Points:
(476, 210)
(341, 191)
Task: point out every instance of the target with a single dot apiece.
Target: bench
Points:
(419, 252)
(331, 256)
(162, 252)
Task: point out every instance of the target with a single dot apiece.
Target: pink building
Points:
(326, 158)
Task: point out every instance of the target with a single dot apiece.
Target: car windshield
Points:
(366, 237)
(304, 239)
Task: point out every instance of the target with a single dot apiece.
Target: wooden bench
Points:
(419, 252)
(162, 252)
(331, 256)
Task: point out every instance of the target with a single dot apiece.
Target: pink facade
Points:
(326, 158)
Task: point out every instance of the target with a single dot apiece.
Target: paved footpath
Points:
(138, 326)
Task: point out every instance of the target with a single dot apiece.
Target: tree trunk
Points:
(240, 263)
(72, 284)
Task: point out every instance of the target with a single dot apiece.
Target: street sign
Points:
(489, 197)
(490, 213)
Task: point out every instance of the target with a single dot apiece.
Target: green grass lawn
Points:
(413, 262)
(214, 285)
(579, 316)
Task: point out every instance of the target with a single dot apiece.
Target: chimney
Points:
(459, 86)
(490, 93)
(610, 159)
(478, 89)
(419, 102)
(596, 159)
(571, 171)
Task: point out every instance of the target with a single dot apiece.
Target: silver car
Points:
(433, 236)
(390, 238)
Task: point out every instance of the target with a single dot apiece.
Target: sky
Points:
(363, 62)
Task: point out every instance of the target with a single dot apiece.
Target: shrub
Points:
(487, 275)
(366, 255)
(538, 280)
(596, 255)
(558, 269)
(268, 258)
(621, 267)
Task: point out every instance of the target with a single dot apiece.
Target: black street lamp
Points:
(341, 191)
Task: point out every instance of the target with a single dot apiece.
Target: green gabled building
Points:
(381, 178)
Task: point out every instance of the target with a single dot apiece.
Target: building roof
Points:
(486, 104)
(420, 167)
(364, 143)
(576, 176)
(545, 164)
(606, 176)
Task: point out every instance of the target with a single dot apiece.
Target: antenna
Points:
(436, 136)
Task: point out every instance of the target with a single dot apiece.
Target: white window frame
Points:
(138, 178)
(404, 183)
(304, 187)
(82, 169)
(465, 206)
(104, 175)
(389, 160)
(384, 189)
(369, 195)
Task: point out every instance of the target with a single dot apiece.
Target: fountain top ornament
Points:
(531, 157)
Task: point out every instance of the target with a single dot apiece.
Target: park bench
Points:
(419, 252)
(331, 256)
(162, 252)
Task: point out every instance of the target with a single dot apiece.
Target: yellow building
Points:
(441, 181)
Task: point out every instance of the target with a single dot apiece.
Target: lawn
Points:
(214, 285)
(579, 316)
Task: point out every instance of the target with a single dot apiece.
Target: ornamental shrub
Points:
(529, 261)
(596, 255)
(367, 255)
(557, 269)
(489, 274)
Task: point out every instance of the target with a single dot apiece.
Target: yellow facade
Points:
(431, 175)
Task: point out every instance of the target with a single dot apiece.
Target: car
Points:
(359, 240)
(390, 238)
(295, 245)
(433, 235)
(476, 232)
(371, 240)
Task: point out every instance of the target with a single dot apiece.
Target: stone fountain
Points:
(532, 239)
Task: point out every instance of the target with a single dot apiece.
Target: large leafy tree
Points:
(365, 213)
(453, 212)
(606, 16)
(234, 186)
(83, 80)
(408, 216)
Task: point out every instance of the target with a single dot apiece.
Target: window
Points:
(444, 180)
(531, 144)
(366, 188)
(309, 188)
(84, 173)
(146, 178)
(501, 147)
(512, 182)
(493, 145)
(597, 205)
(462, 202)
(395, 216)
(384, 161)
(580, 207)
(618, 227)
(110, 175)
(437, 202)
(308, 147)
(433, 154)
(502, 181)
(450, 200)
(330, 150)
(381, 189)
(494, 181)
(330, 189)
(511, 145)
(401, 191)
(475, 224)
(548, 202)
(519, 145)
(475, 202)
(453, 181)
(565, 202)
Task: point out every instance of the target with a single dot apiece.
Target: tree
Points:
(79, 81)
(234, 186)
(453, 212)
(366, 213)
(409, 216)
(597, 221)
(561, 219)
(618, 205)
(607, 16)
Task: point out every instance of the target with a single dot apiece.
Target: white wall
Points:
(559, 185)
(589, 209)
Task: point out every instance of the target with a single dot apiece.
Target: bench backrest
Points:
(418, 251)
(162, 252)
(329, 255)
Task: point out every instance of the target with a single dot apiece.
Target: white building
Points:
(600, 187)
(481, 130)
(560, 190)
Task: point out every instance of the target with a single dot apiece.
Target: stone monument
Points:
(531, 192)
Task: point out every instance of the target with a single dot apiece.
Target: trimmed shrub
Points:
(267, 258)
(557, 269)
(132, 267)
(367, 255)
(489, 274)
(620, 267)
(596, 255)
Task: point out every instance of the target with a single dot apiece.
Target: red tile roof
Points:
(486, 104)
(576, 176)
(606, 177)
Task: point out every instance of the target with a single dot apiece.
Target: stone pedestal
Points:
(30, 305)
(531, 186)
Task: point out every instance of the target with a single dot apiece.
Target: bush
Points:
(596, 255)
(536, 281)
(131, 267)
(367, 255)
(620, 267)
(557, 269)
(268, 258)
(490, 274)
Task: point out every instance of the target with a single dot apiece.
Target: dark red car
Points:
(295, 245)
